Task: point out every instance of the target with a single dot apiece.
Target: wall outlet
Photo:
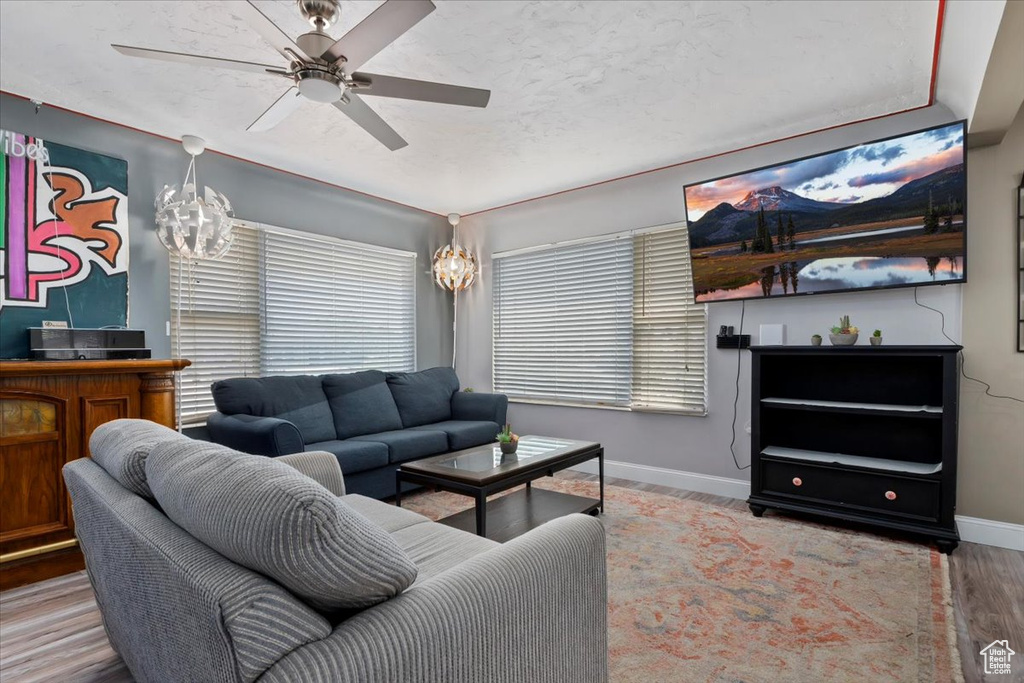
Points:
(168, 333)
(746, 426)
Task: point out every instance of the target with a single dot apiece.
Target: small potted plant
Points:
(507, 440)
(844, 334)
(815, 340)
(876, 338)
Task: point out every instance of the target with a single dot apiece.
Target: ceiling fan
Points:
(324, 69)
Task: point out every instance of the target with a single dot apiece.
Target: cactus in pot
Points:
(843, 334)
(507, 440)
(876, 338)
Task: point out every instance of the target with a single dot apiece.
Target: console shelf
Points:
(862, 434)
(852, 407)
(883, 464)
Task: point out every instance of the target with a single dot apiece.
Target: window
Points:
(285, 302)
(608, 322)
(215, 323)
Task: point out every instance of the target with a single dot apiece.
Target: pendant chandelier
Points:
(455, 267)
(191, 226)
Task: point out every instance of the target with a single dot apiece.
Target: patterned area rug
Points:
(704, 593)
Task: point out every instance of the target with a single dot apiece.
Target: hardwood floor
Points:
(51, 631)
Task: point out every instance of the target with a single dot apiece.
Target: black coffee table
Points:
(483, 471)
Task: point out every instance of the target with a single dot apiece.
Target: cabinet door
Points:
(34, 505)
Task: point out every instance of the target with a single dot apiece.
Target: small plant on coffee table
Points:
(507, 440)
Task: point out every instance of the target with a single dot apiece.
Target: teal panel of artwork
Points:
(63, 238)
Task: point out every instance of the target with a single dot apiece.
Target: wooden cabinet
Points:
(863, 434)
(48, 410)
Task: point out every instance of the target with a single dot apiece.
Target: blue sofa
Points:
(371, 421)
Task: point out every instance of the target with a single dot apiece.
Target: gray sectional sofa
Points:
(213, 565)
(371, 421)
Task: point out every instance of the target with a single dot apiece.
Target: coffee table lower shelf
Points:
(527, 508)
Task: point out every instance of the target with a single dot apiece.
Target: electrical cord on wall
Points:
(963, 360)
(736, 399)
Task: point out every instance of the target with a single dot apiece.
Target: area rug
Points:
(705, 593)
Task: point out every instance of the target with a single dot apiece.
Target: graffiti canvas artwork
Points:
(63, 238)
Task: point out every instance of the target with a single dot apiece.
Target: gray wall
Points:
(685, 443)
(991, 479)
(257, 194)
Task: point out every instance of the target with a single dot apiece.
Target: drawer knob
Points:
(890, 495)
(797, 481)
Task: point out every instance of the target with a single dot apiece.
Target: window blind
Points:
(669, 330)
(609, 322)
(219, 327)
(332, 306)
(283, 302)
(562, 323)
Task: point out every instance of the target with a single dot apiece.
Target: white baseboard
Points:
(972, 529)
(990, 532)
(688, 481)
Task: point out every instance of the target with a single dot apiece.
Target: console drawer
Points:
(885, 492)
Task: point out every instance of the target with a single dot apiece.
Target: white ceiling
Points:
(582, 91)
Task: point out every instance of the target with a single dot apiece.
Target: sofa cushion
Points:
(409, 444)
(465, 433)
(385, 515)
(361, 403)
(121, 447)
(424, 397)
(300, 399)
(354, 456)
(436, 548)
(270, 518)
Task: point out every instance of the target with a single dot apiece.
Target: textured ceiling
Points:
(582, 91)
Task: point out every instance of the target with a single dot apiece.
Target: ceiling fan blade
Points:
(262, 24)
(199, 60)
(424, 91)
(377, 31)
(370, 121)
(278, 111)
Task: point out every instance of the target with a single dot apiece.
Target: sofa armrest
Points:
(258, 435)
(320, 466)
(474, 406)
(534, 609)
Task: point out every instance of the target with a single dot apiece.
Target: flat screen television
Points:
(887, 213)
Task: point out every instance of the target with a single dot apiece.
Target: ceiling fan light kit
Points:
(324, 70)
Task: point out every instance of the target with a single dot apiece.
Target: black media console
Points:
(863, 434)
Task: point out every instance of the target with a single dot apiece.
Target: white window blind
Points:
(608, 322)
(332, 306)
(284, 302)
(562, 323)
(669, 330)
(219, 328)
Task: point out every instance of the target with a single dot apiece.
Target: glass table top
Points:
(489, 457)
(486, 463)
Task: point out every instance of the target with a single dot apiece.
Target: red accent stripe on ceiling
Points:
(931, 100)
(940, 17)
(224, 154)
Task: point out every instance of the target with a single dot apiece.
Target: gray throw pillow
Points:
(121, 447)
(268, 517)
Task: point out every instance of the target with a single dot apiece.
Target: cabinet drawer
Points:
(887, 493)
